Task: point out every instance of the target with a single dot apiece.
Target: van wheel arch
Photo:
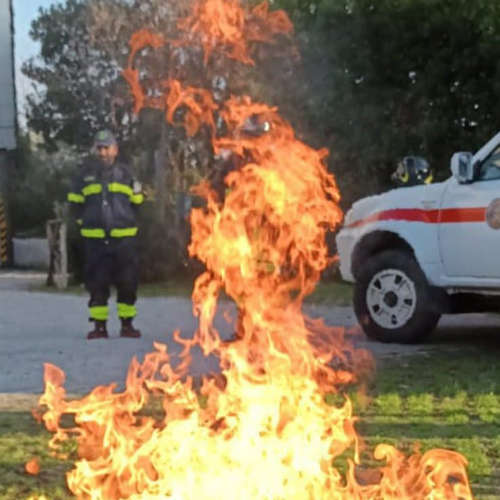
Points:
(374, 243)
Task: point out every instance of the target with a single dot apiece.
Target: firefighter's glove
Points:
(137, 187)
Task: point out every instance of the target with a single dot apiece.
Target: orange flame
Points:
(198, 103)
(266, 431)
(32, 467)
(261, 429)
(223, 26)
(140, 40)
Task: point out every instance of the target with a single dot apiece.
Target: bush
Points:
(37, 182)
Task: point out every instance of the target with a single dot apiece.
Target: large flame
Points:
(223, 26)
(261, 429)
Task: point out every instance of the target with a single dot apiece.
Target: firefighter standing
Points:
(105, 198)
(225, 163)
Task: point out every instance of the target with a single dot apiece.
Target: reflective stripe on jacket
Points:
(104, 201)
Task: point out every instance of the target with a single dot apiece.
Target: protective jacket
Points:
(104, 200)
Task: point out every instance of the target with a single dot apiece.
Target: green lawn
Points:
(22, 438)
(327, 292)
(443, 400)
(332, 293)
(440, 400)
(172, 288)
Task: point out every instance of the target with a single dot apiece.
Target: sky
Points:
(24, 12)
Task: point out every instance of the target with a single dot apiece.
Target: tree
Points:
(388, 78)
(376, 81)
(84, 52)
(74, 78)
(39, 180)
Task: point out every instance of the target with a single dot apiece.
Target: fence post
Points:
(58, 265)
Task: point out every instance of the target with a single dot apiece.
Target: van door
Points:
(469, 224)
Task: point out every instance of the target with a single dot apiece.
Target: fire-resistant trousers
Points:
(108, 262)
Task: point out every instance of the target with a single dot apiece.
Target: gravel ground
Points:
(36, 328)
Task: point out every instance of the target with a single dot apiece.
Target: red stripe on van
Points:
(446, 215)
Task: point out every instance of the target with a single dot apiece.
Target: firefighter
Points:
(226, 162)
(105, 198)
(412, 171)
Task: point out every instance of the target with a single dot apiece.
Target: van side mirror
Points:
(462, 167)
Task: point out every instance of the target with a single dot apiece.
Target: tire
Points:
(392, 299)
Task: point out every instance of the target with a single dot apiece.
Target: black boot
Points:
(128, 329)
(99, 331)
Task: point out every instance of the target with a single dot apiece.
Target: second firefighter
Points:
(105, 198)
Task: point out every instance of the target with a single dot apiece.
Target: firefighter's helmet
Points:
(412, 171)
(255, 126)
(104, 138)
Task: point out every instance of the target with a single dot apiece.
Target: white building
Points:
(7, 117)
(7, 88)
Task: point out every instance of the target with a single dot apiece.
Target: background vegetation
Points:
(374, 81)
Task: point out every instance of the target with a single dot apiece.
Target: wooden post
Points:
(58, 264)
(62, 277)
(52, 254)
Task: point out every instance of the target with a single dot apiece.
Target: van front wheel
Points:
(392, 299)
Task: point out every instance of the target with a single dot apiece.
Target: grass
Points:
(445, 400)
(332, 292)
(22, 438)
(326, 292)
(171, 288)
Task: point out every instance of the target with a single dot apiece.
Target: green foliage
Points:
(420, 404)
(472, 448)
(454, 408)
(388, 404)
(384, 79)
(84, 48)
(161, 255)
(74, 79)
(37, 182)
(375, 81)
(454, 403)
(487, 407)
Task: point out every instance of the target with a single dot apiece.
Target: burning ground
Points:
(262, 429)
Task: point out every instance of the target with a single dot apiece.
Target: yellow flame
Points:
(260, 430)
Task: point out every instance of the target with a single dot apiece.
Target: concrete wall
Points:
(32, 253)
(7, 89)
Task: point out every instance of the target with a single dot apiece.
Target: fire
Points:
(261, 429)
(32, 467)
(223, 26)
